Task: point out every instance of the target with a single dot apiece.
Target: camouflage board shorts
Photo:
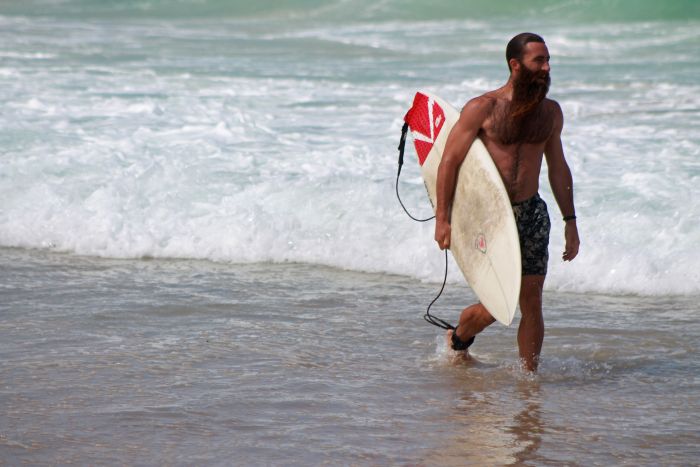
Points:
(532, 219)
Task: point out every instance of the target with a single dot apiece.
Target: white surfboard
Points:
(484, 238)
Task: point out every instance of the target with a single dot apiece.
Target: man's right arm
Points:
(458, 143)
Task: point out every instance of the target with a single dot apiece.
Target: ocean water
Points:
(244, 134)
(182, 173)
(182, 362)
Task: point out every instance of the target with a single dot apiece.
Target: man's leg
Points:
(531, 330)
(472, 321)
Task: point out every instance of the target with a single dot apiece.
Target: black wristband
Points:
(569, 218)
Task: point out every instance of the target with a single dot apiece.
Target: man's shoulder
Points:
(487, 98)
(481, 104)
(552, 104)
(553, 113)
(553, 110)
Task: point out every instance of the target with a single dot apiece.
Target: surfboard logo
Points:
(480, 243)
(425, 118)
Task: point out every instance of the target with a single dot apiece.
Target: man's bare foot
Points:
(448, 338)
(456, 356)
(529, 365)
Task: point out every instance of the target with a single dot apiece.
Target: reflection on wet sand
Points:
(527, 427)
(486, 428)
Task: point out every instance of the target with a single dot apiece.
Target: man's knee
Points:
(531, 301)
(532, 283)
(531, 295)
(531, 286)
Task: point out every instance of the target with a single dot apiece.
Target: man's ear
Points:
(514, 64)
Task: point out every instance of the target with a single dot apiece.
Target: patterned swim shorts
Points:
(532, 219)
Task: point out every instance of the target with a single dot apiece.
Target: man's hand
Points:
(572, 241)
(443, 232)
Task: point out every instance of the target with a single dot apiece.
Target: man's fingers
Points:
(569, 254)
(442, 236)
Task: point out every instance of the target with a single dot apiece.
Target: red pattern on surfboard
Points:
(425, 118)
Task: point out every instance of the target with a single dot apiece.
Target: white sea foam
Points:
(173, 147)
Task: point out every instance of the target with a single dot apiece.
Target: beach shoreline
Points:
(179, 361)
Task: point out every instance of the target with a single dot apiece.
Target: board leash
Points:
(432, 319)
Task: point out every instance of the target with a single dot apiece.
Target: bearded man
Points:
(518, 125)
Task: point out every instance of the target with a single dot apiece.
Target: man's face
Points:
(531, 79)
(535, 62)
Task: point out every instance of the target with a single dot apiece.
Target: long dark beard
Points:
(523, 119)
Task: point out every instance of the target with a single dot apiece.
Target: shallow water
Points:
(223, 132)
(191, 362)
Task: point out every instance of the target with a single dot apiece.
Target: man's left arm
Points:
(562, 184)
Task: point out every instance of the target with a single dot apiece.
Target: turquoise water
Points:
(364, 10)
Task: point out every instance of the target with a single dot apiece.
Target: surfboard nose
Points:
(425, 118)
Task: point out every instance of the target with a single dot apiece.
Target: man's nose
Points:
(546, 67)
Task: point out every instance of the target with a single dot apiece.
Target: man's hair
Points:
(515, 47)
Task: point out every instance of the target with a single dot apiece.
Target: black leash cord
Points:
(434, 320)
(402, 145)
(404, 207)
